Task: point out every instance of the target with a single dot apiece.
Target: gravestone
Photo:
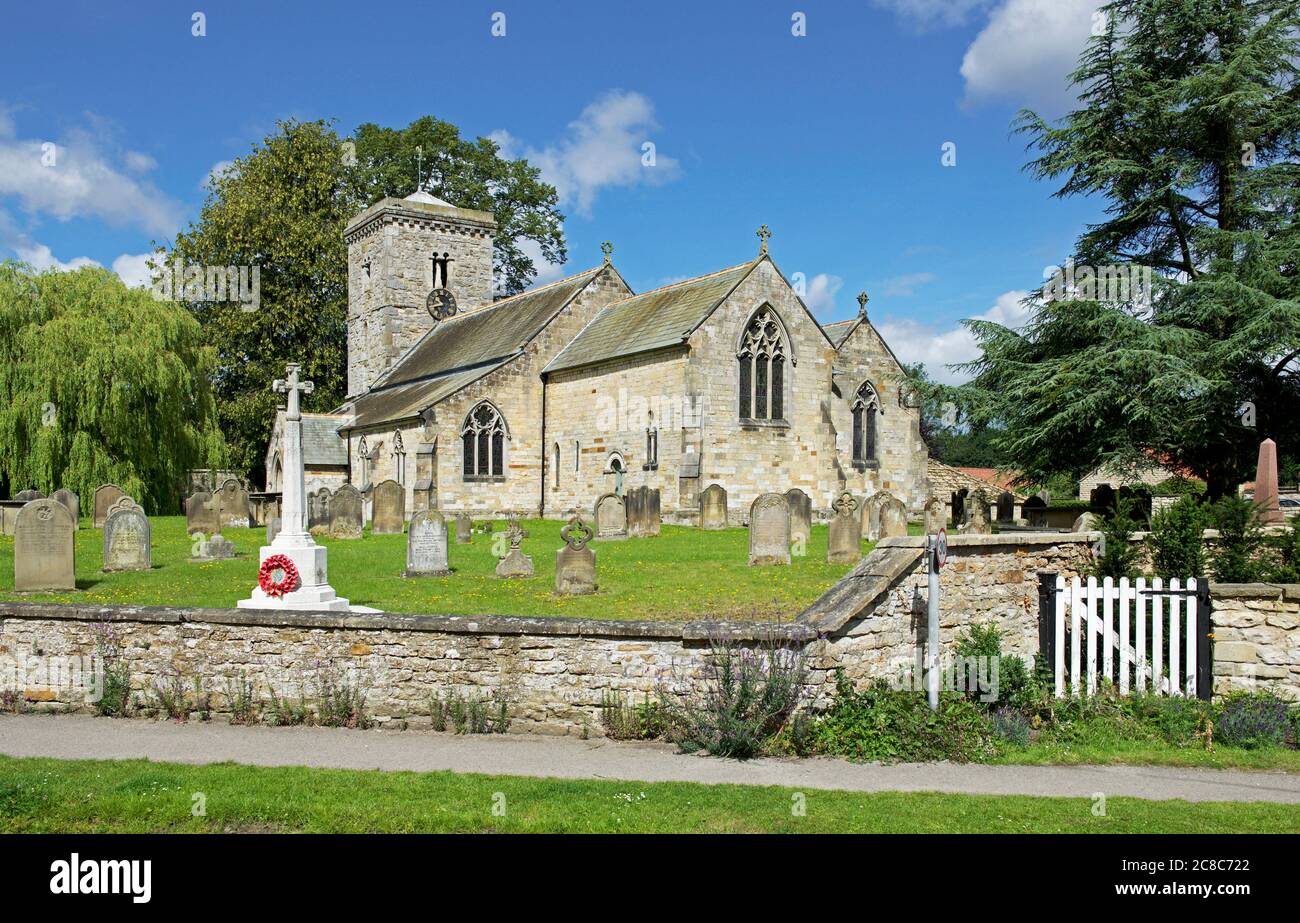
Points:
(800, 515)
(515, 563)
(43, 548)
(844, 544)
(71, 502)
(769, 530)
(464, 529)
(346, 512)
(713, 507)
(643, 516)
(575, 563)
(127, 535)
(1035, 510)
(893, 518)
(389, 511)
(611, 517)
(1006, 507)
(936, 517)
(105, 496)
(1086, 522)
(318, 509)
(27, 496)
(202, 514)
(234, 506)
(872, 513)
(426, 546)
(1266, 488)
(273, 526)
(213, 548)
(977, 513)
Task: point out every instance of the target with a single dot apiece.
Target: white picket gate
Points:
(1141, 637)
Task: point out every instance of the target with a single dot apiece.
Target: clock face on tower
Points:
(441, 304)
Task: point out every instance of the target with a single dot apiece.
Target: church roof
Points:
(321, 444)
(653, 320)
(839, 330)
(462, 349)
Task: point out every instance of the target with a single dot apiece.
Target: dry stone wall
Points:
(1257, 637)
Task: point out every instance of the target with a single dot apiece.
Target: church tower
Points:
(411, 263)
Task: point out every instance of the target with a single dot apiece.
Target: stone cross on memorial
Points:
(293, 511)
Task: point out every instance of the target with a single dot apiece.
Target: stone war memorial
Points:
(128, 541)
(293, 573)
(44, 558)
(769, 530)
(426, 546)
(575, 562)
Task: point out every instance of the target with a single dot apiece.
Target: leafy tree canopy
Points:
(1189, 134)
(100, 383)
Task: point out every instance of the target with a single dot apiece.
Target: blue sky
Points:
(833, 138)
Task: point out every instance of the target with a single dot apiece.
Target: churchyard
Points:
(682, 573)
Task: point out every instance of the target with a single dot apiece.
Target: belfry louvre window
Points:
(762, 360)
(866, 407)
(484, 438)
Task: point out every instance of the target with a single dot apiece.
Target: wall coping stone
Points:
(992, 540)
(1255, 590)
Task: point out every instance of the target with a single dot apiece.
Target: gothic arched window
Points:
(651, 444)
(484, 437)
(399, 458)
(363, 455)
(762, 359)
(866, 407)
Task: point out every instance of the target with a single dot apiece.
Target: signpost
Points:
(936, 548)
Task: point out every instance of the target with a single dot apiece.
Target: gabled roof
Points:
(948, 478)
(321, 445)
(839, 331)
(462, 349)
(653, 320)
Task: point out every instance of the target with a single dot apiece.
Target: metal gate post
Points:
(1204, 642)
(1047, 619)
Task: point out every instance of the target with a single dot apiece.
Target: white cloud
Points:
(78, 178)
(133, 269)
(41, 258)
(903, 286)
(820, 295)
(221, 166)
(925, 14)
(137, 162)
(546, 271)
(603, 147)
(915, 342)
(1026, 52)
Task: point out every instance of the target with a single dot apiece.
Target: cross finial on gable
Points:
(862, 304)
(608, 249)
(763, 235)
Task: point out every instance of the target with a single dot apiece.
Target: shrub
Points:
(1119, 555)
(1286, 548)
(285, 713)
(1176, 540)
(1253, 720)
(437, 711)
(631, 721)
(342, 701)
(170, 696)
(1011, 725)
(1014, 682)
(748, 694)
(892, 725)
(1179, 487)
(473, 714)
(115, 698)
(240, 692)
(1176, 720)
(1235, 557)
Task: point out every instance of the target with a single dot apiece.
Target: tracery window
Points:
(866, 407)
(762, 359)
(484, 438)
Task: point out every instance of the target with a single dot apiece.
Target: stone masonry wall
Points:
(1257, 637)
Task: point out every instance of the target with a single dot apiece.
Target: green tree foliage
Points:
(945, 425)
(1119, 556)
(1189, 133)
(100, 383)
(469, 174)
(1176, 540)
(1236, 554)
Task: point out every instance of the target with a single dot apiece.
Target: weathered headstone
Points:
(713, 507)
(43, 548)
(769, 530)
(318, 509)
(389, 512)
(936, 517)
(426, 546)
(127, 539)
(893, 518)
(1006, 507)
(643, 517)
(464, 529)
(105, 496)
(871, 513)
(575, 563)
(27, 496)
(844, 543)
(202, 514)
(1035, 510)
(346, 512)
(233, 501)
(71, 502)
(515, 563)
(212, 548)
(273, 526)
(1086, 522)
(611, 517)
(800, 515)
(977, 513)
(1266, 489)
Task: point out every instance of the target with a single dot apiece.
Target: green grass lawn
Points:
(87, 796)
(1146, 753)
(682, 574)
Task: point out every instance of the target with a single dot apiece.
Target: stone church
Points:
(544, 401)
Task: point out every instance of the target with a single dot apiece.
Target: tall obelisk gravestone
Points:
(294, 541)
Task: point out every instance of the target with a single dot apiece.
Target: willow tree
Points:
(100, 383)
(1189, 137)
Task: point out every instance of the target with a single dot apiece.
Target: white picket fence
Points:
(1146, 630)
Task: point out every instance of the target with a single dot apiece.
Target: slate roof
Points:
(462, 349)
(653, 320)
(839, 330)
(947, 478)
